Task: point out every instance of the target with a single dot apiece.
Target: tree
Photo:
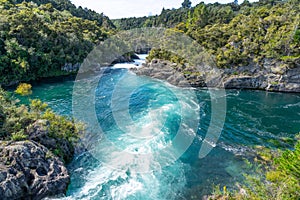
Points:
(246, 3)
(186, 4)
(236, 2)
(200, 16)
(36, 41)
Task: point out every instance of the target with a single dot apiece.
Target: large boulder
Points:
(29, 170)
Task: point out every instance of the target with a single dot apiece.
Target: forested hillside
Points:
(38, 40)
(237, 35)
(171, 17)
(167, 18)
(264, 30)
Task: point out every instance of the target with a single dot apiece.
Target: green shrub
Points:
(58, 152)
(19, 136)
(38, 106)
(297, 36)
(24, 89)
(277, 177)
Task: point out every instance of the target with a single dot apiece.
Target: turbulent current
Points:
(143, 116)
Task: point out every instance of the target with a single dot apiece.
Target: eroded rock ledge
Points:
(271, 76)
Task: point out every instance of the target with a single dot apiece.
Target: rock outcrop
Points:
(163, 70)
(271, 76)
(39, 132)
(29, 170)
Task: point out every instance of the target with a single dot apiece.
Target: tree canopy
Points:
(235, 34)
(186, 4)
(38, 40)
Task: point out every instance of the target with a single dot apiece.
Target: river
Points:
(253, 118)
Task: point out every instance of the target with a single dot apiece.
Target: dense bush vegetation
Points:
(38, 38)
(278, 179)
(168, 18)
(171, 17)
(15, 122)
(37, 41)
(235, 34)
(84, 13)
(256, 33)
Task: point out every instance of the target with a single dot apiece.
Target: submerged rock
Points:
(29, 170)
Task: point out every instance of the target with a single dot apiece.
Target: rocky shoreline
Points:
(270, 76)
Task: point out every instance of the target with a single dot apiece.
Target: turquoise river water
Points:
(253, 118)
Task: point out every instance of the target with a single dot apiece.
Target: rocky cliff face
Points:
(271, 76)
(29, 170)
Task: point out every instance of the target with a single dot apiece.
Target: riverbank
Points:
(270, 76)
(68, 70)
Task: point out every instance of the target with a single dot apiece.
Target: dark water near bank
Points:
(253, 118)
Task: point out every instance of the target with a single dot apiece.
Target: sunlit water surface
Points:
(253, 118)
